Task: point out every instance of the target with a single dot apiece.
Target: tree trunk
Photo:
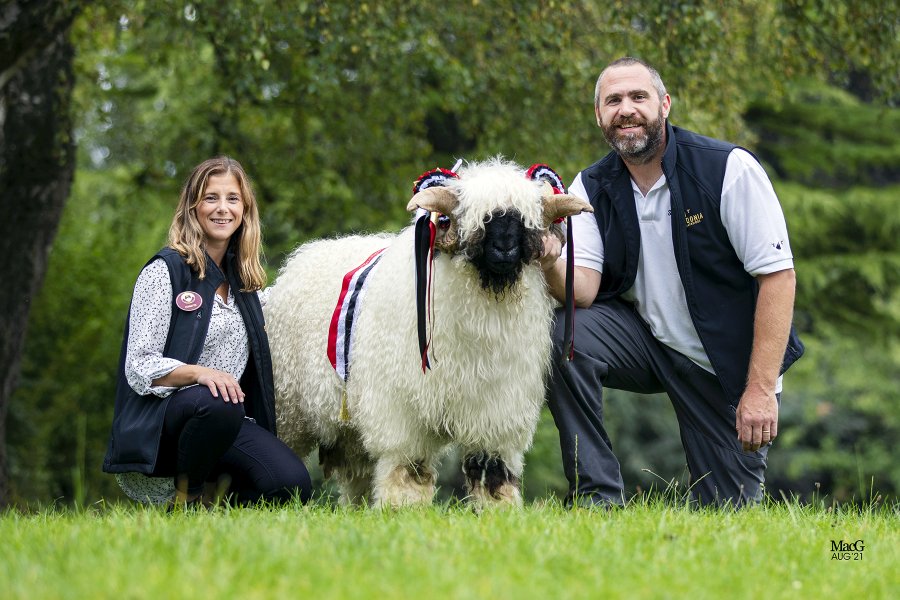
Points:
(37, 162)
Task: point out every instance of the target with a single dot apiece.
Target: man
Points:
(684, 283)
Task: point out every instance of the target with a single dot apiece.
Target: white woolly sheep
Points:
(384, 429)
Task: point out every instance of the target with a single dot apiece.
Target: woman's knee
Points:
(300, 487)
(224, 412)
(291, 480)
(198, 404)
(267, 465)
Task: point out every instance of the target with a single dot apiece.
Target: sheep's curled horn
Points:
(559, 206)
(439, 200)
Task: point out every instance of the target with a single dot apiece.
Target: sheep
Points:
(383, 431)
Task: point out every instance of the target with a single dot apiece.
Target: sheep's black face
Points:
(504, 249)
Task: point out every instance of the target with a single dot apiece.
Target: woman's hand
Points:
(218, 382)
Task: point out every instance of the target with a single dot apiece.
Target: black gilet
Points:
(721, 295)
(138, 420)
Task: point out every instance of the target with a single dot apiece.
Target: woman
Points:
(195, 407)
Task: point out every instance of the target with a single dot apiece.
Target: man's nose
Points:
(626, 107)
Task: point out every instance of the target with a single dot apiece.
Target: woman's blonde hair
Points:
(187, 237)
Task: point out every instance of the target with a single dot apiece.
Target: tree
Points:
(37, 161)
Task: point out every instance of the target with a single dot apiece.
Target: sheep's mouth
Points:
(503, 261)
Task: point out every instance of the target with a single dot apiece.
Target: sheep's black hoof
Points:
(331, 458)
(488, 473)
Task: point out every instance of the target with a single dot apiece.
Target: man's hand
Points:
(757, 412)
(587, 281)
(550, 252)
(757, 418)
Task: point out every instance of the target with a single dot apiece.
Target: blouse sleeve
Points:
(148, 328)
(263, 295)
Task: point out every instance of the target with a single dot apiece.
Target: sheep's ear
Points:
(557, 206)
(437, 199)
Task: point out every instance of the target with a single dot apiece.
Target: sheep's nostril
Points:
(504, 250)
(503, 244)
(503, 261)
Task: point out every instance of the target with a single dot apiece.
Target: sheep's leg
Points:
(403, 482)
(355, 487)
(352, 471)
(489, 481)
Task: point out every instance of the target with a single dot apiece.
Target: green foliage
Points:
(66, 391)
(839, 421)
(838, 415)
(855, 45)
(839, 418)
(647, 550)
(335, 107)
(825, 139)
(847, 250)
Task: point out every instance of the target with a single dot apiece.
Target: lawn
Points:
(647, 550)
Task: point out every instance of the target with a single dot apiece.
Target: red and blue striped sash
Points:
(340, 333)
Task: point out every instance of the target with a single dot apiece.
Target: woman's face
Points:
(221, 209)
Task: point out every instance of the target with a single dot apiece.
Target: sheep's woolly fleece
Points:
(491, 357)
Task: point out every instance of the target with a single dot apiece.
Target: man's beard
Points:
(636, 148)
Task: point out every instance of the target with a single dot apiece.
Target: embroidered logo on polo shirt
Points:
(692, 219)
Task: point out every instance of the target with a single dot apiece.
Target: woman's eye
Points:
(233, 199)
(210, 199)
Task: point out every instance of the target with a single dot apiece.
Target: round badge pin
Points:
(188, 301)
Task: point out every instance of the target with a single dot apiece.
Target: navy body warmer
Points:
(138, 420)
(721, 295)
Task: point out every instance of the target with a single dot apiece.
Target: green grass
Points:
(647, 550)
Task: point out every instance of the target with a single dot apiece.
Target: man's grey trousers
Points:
(614, 348)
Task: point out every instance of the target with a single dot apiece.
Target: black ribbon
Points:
(569, 332)
(422, 244)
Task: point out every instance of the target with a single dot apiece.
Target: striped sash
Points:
(340, 333)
